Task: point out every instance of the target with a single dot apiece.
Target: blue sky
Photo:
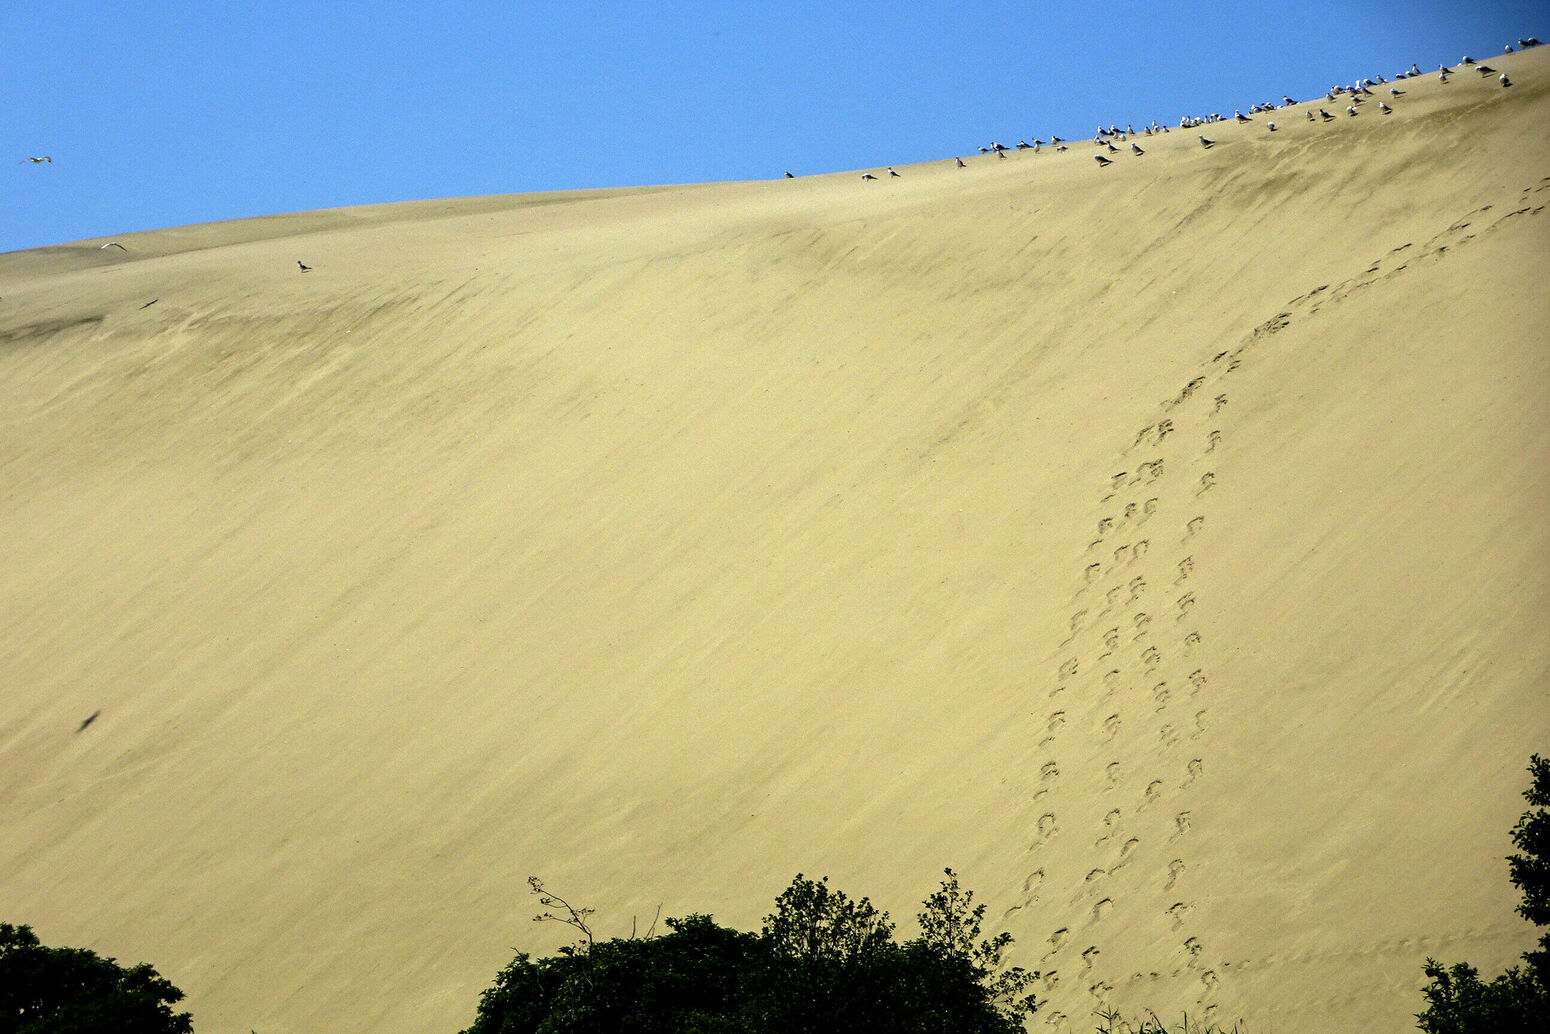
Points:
(160, 114)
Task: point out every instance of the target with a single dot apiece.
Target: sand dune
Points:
(1162, 546)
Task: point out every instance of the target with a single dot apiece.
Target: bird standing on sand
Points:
(960, 163)
(1207, 144)
(1351, 111)
(1102, 161)
(1271, 126)
(304, 267)
(789, 176)
(1384, 108)
(868, 176)
(1136, 149)
(1504, 80)
(895, 175)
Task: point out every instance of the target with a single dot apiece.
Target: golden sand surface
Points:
(1162, 546)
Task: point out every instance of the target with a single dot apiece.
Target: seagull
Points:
(1311, 118)
(1271, 126)
(789, 176)
(1504, 80)
(1351, 111)
(112, 244)
(1136, 149)
(40, 161)
(1101, 160)
(1326, 116)
(1207, 144)
(1467, 60)
(1240, 116)
(1396, 93)
(1485, 70)
(960, 163)
(1113, 149)
(1384, 108)
(895, 175)
(304, 267)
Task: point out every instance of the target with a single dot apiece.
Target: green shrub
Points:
(75, 991)
(1457, 1000)
(822, 962)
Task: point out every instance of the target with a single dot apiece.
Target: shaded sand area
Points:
(1161, 546)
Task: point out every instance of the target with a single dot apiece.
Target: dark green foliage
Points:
(1457, 1000)
(823, 962)
(1111, 1021)
(1530, 871)
(75, 991)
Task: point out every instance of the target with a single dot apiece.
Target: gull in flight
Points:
(41, 160)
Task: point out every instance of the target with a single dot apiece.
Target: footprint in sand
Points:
(1056, 720)
(1121, 554)
(1051, 980)
(1213, 440)
(1192, 528)
(1127, 849)
(1100, 990)
(1181, 822)
(1208, 978)
(1111, 726)
(1050, 771)
(1112, 771)
(1046, 825)
(1111, 639)
(1137, 587)
(1200, 721)
(1207, 480)
(1102, 909)
(1111, 679)
(1093, 878)
(1138, 551)
(1192, 948)
(1148, 508)
(1164, 429)
(1186, 568)
(1152, 792)
(1193, 771)
(1151, 658)
(1068, 669)
(1141, 621)
(1032, 884)
(1110, 825)
(1186, 601)
(1177, 913)
(1093, 571)
(1105, 526)
(1168, 735)
(1057, 940)
(1175, 870)
(1161, 694)
(1090, 956)
(1130, 511)
(1191, 641)
(1197, 678)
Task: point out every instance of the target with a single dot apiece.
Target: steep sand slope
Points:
(1162, 546)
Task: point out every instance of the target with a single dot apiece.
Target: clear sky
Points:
(160, 113)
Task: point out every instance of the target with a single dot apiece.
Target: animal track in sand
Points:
(1151, 657)
(1161, 694)
(1068, 669)
(1213, 440)
(1111, 639)
(1198, 678)
(1186, 568)
(1185, 602)
(1221, 402)
(1192, 948)
(1090, 956)
(1049, 771)
(1191, 641)
(1168, 735)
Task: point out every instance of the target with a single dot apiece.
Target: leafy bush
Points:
(822, 962)
(1457, 1000)
(75, 991)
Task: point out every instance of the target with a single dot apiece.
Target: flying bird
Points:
(112, 244)
(41, 160)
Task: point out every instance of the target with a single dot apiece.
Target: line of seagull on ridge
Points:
(1356, 93)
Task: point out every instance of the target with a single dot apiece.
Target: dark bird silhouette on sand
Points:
(1207, 144)
(304, 267)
